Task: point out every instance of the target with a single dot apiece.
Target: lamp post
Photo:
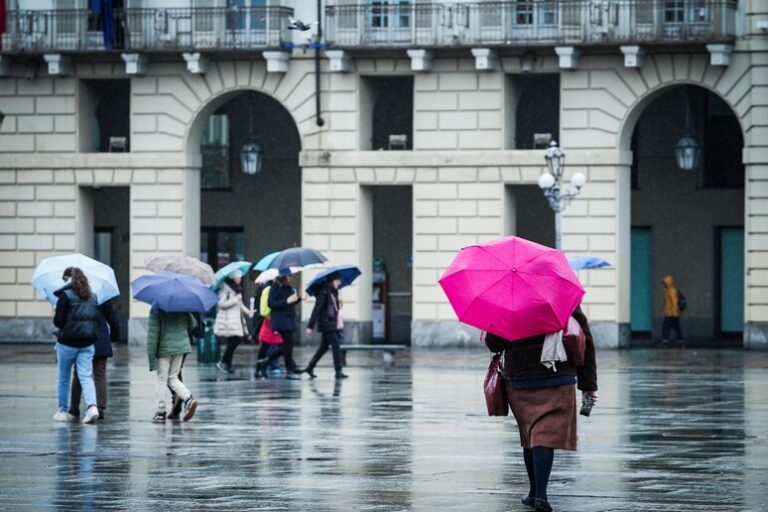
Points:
(550, 184)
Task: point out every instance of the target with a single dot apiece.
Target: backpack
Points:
(682, 304)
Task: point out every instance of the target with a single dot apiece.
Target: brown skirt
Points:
(545, 416)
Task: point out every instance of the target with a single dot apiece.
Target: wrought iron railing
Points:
(236, 28)
(532, 22)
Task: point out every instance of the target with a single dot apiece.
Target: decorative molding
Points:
(135, 63)
(421, 60)
(197, 63)
(58, 64)
(277, 62)
(720, 54)
(485, 59)
(339, 61)
(634, 56)
(569, 56)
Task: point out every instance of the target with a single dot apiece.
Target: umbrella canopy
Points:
(263, 263)
(587, 262)
(173, 293)
(297, 257)
(181, 264)
(47, 277)
(512, 287)
(271, 273)
(347, 274)
(227, 269)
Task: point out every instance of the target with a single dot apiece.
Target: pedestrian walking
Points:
(326, 316)
(195, 334)
(543, 402)
(269, 340)
(167, 343)
(77, 318)
(109, 332)
(672, 313)
(282, 302)
(230, 322)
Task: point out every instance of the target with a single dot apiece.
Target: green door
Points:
(641, 298)
(731, 280)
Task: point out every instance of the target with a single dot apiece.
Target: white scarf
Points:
(553, 350)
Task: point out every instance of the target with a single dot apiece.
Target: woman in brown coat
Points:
(544, 403)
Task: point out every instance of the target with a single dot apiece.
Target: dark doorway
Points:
(392, 252)
(105, 115)
(111, 243)
(391, 102)
(528, 215)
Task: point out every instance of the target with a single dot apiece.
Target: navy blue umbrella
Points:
(297, 257)
(173, 293)
(347, 274)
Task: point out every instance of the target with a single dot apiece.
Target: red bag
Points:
(267, 335)
(495, 389)
(575, 342)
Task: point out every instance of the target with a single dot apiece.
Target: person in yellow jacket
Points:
(671, 313)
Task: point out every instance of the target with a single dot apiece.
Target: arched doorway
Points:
(244, 216)
(688, 224)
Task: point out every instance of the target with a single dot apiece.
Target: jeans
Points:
(671, 323)
(82, 358)
(330, 339)
(168, 369)
(99, 380)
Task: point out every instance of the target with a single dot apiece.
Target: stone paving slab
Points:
(674, 430)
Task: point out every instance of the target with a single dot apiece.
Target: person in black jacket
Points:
(77, 318)
(109, 332)
(327, 317)
(282, 301)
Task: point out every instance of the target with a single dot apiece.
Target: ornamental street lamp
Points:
(251, 155)
(549, 182)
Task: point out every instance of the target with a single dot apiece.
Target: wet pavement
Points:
(674, 430)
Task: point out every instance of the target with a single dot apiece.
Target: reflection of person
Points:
(326, 315)
(109, 331)
(229, 318)
(544, 403)
(671, 313)
(167, 342)
(77, 317)
(282, 301)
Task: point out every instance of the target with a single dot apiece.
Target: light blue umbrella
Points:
(263, 263)
(587, 262)
(227, 269)
(47, 277)
(173, 293)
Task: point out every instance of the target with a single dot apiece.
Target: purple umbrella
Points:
(173, 293)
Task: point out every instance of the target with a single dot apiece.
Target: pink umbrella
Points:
(512, 287)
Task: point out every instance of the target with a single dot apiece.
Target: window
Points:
(214, 149)
(105, 113)
(674, 11)
(536, 109)
(244, 13)
(524, 13)
(389, 103)
(394, 13)
(222, 245)
(102, 245)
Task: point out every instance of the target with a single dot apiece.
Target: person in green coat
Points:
(167, 342)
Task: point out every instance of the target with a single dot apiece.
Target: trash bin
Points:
(208, 346)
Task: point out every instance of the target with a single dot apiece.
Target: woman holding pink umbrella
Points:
(523, 295)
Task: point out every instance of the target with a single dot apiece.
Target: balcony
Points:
(194, 29)
(529, 23)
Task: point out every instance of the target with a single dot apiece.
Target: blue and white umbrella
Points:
(227, 269)
(587, 262)
(173, 293)
(101, 278)
(347, 274)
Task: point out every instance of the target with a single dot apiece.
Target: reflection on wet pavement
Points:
(674, 430)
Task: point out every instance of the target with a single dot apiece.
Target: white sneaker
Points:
(63, 416)
(91, 415)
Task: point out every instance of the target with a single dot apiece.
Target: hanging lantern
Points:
(251, 158)
(687, 153)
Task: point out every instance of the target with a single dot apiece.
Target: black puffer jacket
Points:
(78, 319)
(324, 314)
(283, 314)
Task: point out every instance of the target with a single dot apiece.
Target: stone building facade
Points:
(461, 169)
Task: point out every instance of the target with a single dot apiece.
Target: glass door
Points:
(246, 23)
(641, 271)
(731, 280)
(389, 21)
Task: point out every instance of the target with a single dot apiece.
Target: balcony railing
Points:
(194, 29)
(531, 22)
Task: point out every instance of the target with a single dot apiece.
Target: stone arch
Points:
(636, 110)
